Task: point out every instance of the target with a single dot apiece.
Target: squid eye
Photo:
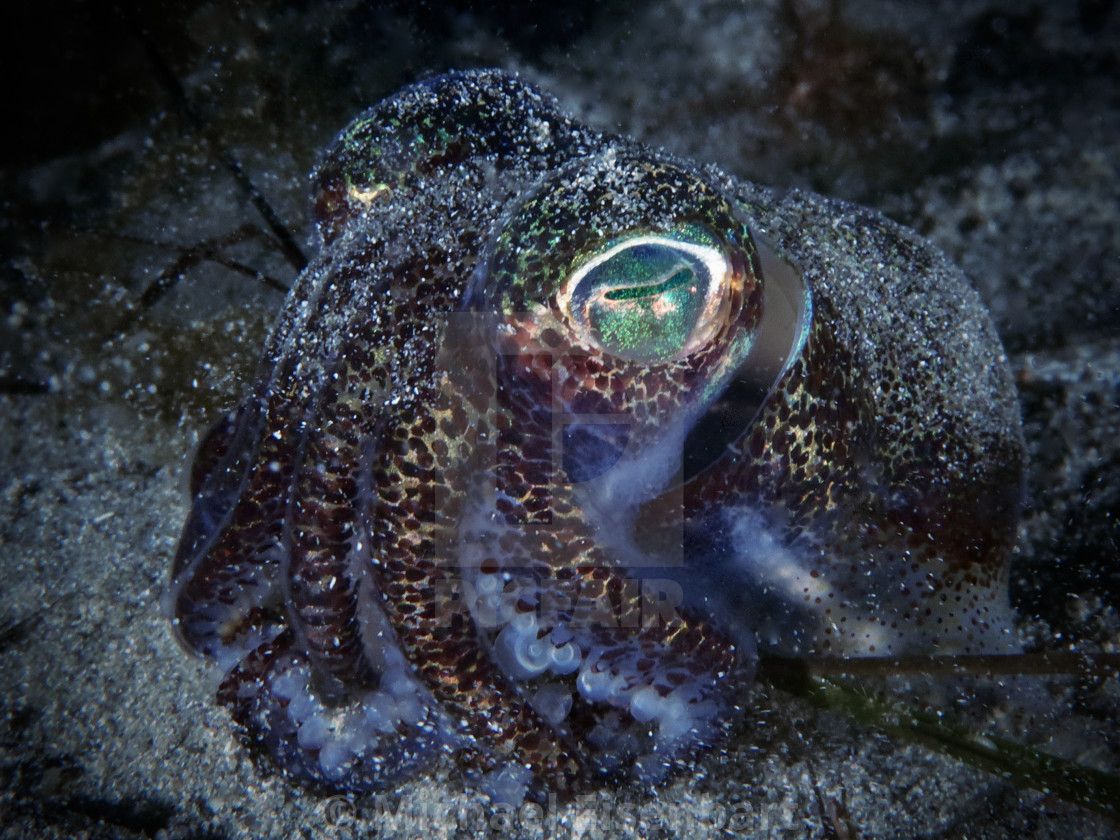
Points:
(650, 298)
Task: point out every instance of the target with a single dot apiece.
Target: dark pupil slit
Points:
(681, 278)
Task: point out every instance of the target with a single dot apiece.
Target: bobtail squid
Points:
(559, 431)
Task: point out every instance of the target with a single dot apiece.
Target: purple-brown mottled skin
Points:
(419, 431)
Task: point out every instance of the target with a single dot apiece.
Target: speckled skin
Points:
(419, 434)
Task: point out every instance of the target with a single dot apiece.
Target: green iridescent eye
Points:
(650, 297)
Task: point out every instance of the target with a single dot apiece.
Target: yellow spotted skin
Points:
(558, 431)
